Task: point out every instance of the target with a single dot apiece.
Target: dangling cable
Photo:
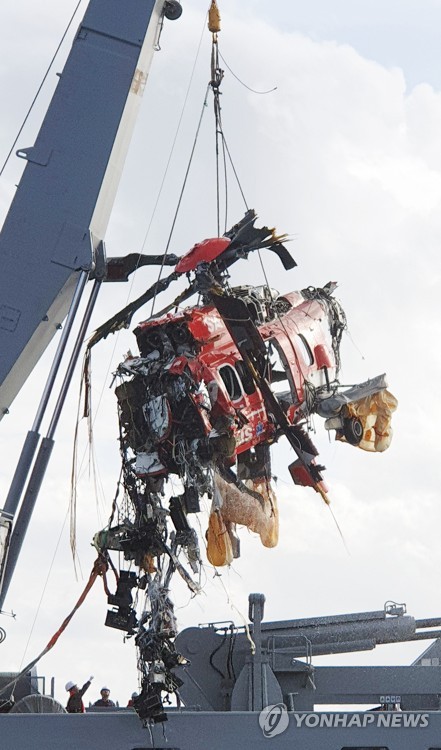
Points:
(217, 75)
(180, 197)
(178, 127)
(39, 88)
(235, 173)
(254, 91)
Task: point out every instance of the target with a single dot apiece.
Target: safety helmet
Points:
(104, 688)
(69, 685)
(134, 695)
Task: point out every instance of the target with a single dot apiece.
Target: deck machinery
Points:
(249, 685)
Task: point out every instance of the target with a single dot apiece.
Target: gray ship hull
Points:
(187, 730)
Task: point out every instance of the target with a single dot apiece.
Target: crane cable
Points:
(40, 87)
(216, 79)
(217, 75)
(179, 200)
(214, 27)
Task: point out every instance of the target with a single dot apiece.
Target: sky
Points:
(344, 156)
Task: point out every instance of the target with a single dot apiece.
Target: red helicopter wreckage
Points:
(214, 386)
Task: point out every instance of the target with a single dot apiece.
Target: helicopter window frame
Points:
(247, 382)
(286, 368)
(234, 393)
(305, 350)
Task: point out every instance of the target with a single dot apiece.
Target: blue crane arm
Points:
(61, 208)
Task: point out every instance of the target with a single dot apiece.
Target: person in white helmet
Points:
(75, 703)
(104, 701)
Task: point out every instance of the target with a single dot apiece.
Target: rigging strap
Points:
(99, 570)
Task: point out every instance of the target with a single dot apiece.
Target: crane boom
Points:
(61, 208)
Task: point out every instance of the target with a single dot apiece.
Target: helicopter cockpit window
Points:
(231, 382)
(304, 350)
(245, 378)
(279, 374)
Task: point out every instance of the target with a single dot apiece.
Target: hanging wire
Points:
(224, 161)
(217, 75)
(235, 173)
(45, 585)
(161, 187)
(269, 91)
(180, 196)
(40, 87)
(220, 143)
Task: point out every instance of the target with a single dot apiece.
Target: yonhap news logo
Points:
(391, 720)
(275, 719)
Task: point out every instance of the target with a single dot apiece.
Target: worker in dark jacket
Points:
(104, 701)
(75, 703)
(131, 702)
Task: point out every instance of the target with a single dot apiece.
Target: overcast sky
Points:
(345, 156)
